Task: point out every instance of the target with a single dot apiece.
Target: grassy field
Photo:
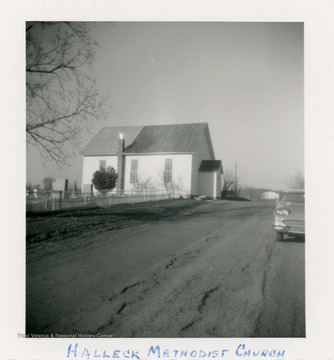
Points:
(70, 223)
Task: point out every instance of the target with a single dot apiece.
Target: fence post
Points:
(60, 199)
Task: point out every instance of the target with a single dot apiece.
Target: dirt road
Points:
(213, 270)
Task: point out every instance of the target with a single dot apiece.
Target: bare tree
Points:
(143, 184)
(30, 187)
(229, 181)
(48, 182)
(172, 186)
(297, 181)
(61, 100)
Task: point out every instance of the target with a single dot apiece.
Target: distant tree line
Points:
(47, 185)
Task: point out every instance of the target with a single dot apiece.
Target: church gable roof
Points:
(105, 142)
(180, 138)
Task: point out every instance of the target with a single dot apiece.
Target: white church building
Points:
(156, 158)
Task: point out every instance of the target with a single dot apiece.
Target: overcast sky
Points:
(244, 79)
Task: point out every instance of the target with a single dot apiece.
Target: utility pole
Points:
(236, 177)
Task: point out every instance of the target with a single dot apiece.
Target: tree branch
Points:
(59, 106)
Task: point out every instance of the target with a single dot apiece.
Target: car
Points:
(289, 214)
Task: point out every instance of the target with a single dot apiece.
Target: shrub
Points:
(105, 179)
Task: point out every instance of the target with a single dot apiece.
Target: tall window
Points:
(103, 164)
(168, 174)
(134, 172)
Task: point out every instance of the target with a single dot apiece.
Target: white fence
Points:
(53, 201)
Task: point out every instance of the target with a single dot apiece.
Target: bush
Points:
(105, 179)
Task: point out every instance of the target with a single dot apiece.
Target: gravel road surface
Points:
(173, 269)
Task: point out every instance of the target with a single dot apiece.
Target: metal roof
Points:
(180, 138)
(105, 142)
